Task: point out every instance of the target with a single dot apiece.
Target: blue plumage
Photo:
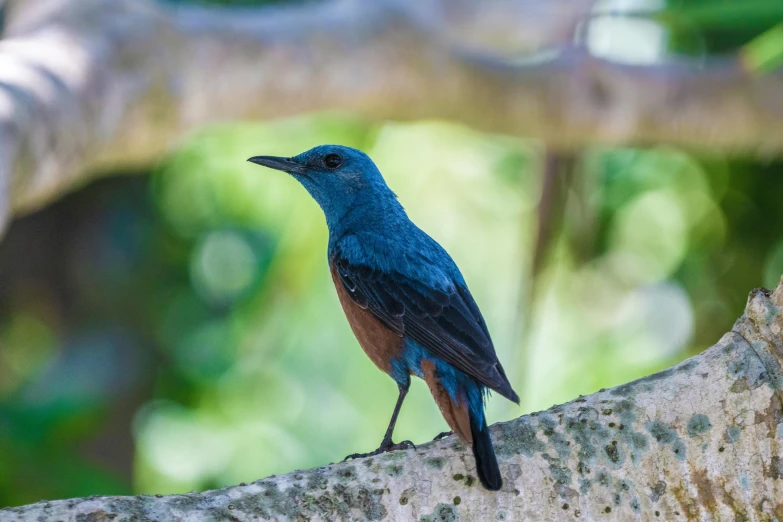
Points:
(404, 296)
(452, 379)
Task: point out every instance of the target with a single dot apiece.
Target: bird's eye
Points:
(333, 161)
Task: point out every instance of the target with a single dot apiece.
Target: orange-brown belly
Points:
(457, 416)
(380, 344)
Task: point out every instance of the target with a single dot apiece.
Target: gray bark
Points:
(95, 85)
(700, 441)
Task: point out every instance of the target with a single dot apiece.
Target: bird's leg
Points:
(443, 435)
(386, 443)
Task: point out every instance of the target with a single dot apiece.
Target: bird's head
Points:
(339, 178)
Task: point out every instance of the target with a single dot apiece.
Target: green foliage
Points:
(765, 52)
(717, 27)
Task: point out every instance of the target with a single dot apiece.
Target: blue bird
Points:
(404, 297)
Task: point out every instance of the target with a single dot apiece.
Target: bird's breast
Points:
(381, 345)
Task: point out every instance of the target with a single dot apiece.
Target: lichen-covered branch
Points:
(702, 440)
(97, 84)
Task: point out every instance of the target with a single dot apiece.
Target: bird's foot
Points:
(442, 435)
(386, 445)
(406, 444)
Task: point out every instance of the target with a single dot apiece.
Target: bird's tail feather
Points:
(465, 424)
(486, 463)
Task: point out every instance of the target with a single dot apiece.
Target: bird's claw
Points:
(443, 435)
(384, 447)
(354, 456)
(406, 444)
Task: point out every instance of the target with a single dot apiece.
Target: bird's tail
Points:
(486, 463)
(469, 427)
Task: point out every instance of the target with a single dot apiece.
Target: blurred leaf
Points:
(765, 52)
(725, 14)
(773, 269)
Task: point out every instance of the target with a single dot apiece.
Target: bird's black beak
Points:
(278, 163)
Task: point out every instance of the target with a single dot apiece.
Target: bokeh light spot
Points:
(27, 343)
(648, 239)
(223, 266)
(663, 314)
(178, 444)
(773, 268)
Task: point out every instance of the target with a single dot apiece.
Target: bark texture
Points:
(100, 84)
(702, 440)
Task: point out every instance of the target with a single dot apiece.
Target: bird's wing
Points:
(447, 321)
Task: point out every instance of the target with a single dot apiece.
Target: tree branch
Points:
(96, 84)
(699, 441)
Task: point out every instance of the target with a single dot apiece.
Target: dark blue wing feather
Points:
(448, 322)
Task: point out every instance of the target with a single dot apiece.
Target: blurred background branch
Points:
(106, 82)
